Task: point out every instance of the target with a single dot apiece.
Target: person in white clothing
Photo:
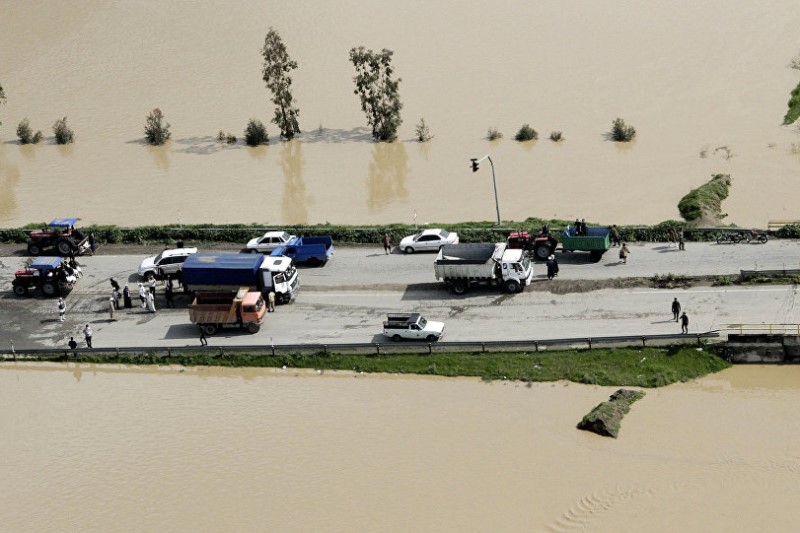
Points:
(62, 309)
(151, 302)
(142, 294)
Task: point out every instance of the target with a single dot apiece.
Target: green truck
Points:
(596, 241)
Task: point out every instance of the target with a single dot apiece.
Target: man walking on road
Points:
(62, 309)
(684, 323)
(203, 340)
(676, 309)
(271, 302)
(87, 334)
(387, 243)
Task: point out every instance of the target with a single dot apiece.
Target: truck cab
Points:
(412, 326)
(279, 274)
(515, 265)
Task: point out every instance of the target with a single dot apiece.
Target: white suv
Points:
(166, 263)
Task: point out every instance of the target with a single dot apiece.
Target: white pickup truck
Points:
(413, 326)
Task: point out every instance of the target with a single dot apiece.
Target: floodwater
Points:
(90, 448)
(698, 80)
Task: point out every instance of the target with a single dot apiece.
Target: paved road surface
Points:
(345, 301)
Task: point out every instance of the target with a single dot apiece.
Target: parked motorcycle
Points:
(757, 236)
(729, 237)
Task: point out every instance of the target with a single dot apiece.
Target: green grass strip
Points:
(646, 367)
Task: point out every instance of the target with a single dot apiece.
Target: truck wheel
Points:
(431, 338)
(49, 288)
(314, 262)
(409, 250)
(512, 286)
(64, 248)
(209, 329)
(253, 327)
(542, 252)
(34, 249)
(595, 256)
(459, 287)
(20, 290)
(396, 338)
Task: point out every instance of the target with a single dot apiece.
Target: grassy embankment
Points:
(483, 231)
(705, 202)
(646, 367)
(794, 107)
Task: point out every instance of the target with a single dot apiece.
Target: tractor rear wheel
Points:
(542, 252)
(20, 290)
(49, 288)
(64, 247)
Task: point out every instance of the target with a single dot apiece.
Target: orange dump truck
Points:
(213, 310)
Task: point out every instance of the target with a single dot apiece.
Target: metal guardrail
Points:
(763, 327)
(408, 347)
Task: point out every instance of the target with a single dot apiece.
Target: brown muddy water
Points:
(692, 77)
(91, 448)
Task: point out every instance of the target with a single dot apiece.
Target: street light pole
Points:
(475, 162)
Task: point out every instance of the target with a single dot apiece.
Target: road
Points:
(345, 301)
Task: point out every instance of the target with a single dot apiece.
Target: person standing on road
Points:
(142, 294)
(623, 253)
(126, 297)
(73, 345)
(151, 302)
(152, 282)
(115, 295)
(387, 243)
(552, 267)
(676, 309)
(87, 334)
(112, 304)
(62, 309)
(92, 243)
(673, 236)
(168, 294)
(684, 323)
(271, 302)
(681, 242)
(203, 340)
(614, 236)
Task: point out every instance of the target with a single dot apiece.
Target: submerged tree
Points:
(63, 133)
(380, 99)
(277, 66)
(156, 129)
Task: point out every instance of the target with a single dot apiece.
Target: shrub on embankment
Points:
(241, 233)
(794, 107)
(639, 367)
(705, 202)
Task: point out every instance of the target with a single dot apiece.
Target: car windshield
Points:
(443, 234)
(158, 258)
(284, 236)
(422, 322)
(526, 262)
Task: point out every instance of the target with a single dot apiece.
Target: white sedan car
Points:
(428, 240)
(268, 242)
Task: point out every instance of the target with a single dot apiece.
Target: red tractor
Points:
(59, 234)
(50, 275)
(540, 247)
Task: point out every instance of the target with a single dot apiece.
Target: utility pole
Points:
(475, 162)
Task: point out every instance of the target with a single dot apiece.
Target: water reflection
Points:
(161, 155)
(66, 150)
(424, 150)
(28, 151)
(388, 171)
(257, 152)
(294, 206)
(9, 179)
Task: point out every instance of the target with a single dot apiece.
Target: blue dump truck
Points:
(314, 251)
(228, 272)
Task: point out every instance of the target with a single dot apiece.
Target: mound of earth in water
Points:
(606, 417)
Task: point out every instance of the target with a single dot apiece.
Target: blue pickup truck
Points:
(314, 251)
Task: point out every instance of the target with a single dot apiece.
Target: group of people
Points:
(580, 227)
(677, 316)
